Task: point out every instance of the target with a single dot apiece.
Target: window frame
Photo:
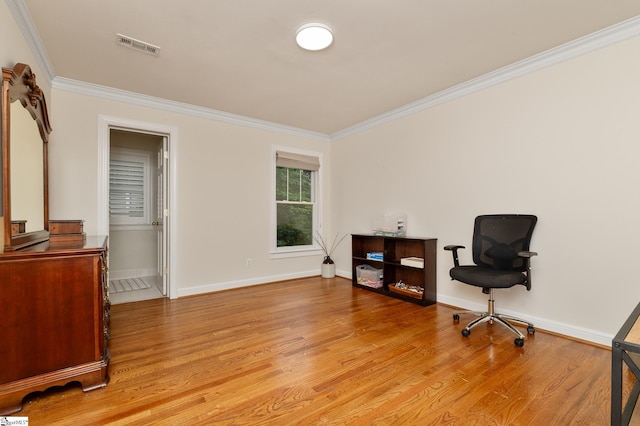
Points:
(129, 154)
(317, 182)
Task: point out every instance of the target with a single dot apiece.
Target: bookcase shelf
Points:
(394, 249)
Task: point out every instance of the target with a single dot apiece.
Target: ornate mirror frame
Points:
(19, 85)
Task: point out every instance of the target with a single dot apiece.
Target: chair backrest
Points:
(498, 238)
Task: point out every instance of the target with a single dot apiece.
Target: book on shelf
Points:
(416, 262)
(375, 256)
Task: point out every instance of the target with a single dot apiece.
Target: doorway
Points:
(136, 219)
(136, 212)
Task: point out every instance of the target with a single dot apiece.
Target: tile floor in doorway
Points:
(154, 292)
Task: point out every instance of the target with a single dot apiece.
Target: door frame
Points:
(105, 124)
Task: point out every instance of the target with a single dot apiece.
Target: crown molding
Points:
(21, 15)
(597, 40)
(95, 90)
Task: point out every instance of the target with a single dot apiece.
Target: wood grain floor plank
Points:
(319, 352)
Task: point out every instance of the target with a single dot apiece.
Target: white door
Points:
(161, 222)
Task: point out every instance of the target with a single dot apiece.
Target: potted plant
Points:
(328, 267)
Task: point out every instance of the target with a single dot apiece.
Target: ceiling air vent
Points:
(141, 46)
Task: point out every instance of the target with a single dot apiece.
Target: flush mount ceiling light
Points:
(314, 36)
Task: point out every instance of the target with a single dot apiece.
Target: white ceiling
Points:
(240, 56)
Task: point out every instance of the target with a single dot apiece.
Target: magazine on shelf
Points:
(416, 262)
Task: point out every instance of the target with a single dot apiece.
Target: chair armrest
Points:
(527, 254)
(454, 251)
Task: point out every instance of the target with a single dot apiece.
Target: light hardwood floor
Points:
(318, 352)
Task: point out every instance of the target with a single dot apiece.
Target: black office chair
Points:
(502, 260)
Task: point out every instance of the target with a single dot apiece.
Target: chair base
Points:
(491, 316)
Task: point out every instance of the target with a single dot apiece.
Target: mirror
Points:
(27, 186)
(25, 132)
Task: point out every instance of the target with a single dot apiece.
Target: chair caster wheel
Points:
(519, 342)
(456, 317)
(531, 330)
(466, 332)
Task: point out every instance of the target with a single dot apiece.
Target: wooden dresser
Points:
(55, 319)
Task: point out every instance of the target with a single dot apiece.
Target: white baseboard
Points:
(568, 330)
(209, 288)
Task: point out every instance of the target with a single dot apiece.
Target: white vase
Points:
(328, 270)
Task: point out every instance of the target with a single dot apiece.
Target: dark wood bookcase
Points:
(394, 249)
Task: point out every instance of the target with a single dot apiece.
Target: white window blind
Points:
(130, 187)
(297, 161)
(126, 189)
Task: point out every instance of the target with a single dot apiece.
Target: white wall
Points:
(222, 181)
(562, 143)
(223, 194)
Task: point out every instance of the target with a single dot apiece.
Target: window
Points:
(129, 187)
(296, 200)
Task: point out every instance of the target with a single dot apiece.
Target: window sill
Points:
(283, 254)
